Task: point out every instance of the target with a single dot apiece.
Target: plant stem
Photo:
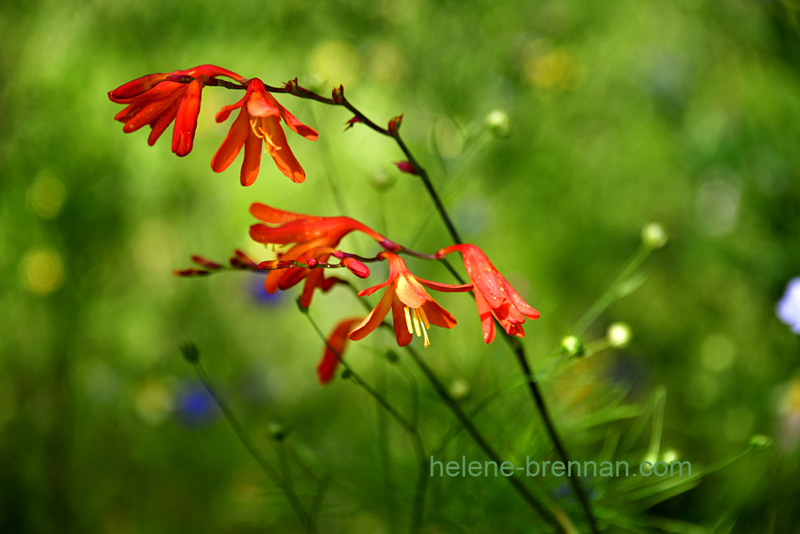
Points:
(263, 463)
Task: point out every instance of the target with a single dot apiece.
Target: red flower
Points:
(259, 119)
(158, 99)
(494, 296)
(334, 349)
(413, 310)
(313, 238)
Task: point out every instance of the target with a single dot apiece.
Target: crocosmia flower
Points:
(494, 296)
(788, 308)
(259, 122)
(334, 349)
(413, 309)
(312, 238)
(158, 99)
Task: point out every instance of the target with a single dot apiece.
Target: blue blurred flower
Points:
(261, 295)
(195, 406)
(788, 308)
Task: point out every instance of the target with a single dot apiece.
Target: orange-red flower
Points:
(259, 120)
(334, 349)
(494, 296)
(158, 99)
(413, 310)
(312, 238)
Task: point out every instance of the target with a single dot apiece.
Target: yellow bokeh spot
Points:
(335, 62)
(153, 402)
(555, 69)
(42, 271)
(46, 196)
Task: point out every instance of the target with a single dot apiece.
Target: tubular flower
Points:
(413, 310)
(158, 99)
(313, 238)
(259, 119)
(494, 296)
(334, 349)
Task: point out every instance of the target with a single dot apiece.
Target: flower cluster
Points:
(159, 99)
(309, 245)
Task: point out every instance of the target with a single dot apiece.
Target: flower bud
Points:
(291, 86)
(205, 262)
(498, 122)
(312, 262)
(338, 94)
(356, 267)
(394, 124)
(406, 166)
(190, 352)
(351, 122)
(190, 272)
(276, 430)
(759, 442)
(572, 346)
(654, 236)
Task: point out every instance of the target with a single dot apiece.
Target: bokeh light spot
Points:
(42, 271)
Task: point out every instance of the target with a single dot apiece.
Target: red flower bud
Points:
(338, 94)
(356, 267)
(394, 124)
(406, 166)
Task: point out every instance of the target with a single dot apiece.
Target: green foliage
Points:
(614, 114)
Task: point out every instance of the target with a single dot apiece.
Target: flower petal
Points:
(375, 317)
(334, 349)
(233, 142)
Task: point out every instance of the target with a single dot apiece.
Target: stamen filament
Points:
(416, 323)
(408, 320)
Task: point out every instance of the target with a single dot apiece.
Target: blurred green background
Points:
(619, 113)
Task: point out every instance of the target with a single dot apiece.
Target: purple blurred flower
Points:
(788, 308)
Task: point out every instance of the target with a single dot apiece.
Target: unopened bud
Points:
(394, 124)
(572, 346)
(240, 260)
(291, 86)
(276, 430)
(190, 352)
(180, 78)
(312, 262)
(498, 122)
(618, 334)
(351, 122)
(356, 267)
(459, 389)
(205, 262)
(190, 272)
(654, 235)
(759, 442)
(406, 166)
(338, 94)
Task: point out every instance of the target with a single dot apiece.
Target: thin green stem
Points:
(262, 462)
(553, 515)
(611, 293)
(418, 507)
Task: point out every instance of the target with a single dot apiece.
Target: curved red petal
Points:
(232, 144)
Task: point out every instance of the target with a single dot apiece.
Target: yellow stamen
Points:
(424, 317)
(408, 320)
(416, 323)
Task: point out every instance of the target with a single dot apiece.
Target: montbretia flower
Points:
(311, 238)
(413, 309)
(334, 349)
(494, 296)
(259, 121)
(158, 99)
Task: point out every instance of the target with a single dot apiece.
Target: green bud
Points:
(572, 346)
(654, 236)
(498, 122)
(759, 442)
(190, 352)
(276, 430)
